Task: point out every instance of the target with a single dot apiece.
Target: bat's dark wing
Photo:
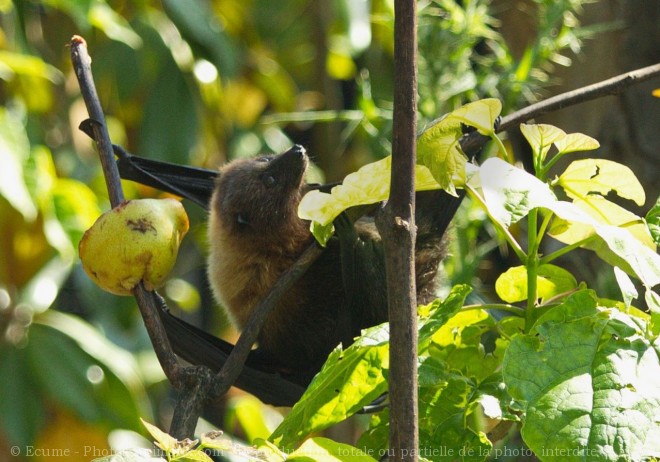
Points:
(193, 183)
(199, 347)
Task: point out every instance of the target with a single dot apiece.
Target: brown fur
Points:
(255, 235)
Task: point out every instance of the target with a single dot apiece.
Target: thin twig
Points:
(234, 364)
(613, 86)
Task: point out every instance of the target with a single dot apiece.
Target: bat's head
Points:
(257, 199)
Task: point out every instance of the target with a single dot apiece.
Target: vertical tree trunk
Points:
(397, 226)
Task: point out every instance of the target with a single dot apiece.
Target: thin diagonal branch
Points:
(612, 86)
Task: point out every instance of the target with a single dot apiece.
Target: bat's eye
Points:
(265, 159)
(242, 219)
(268, 180)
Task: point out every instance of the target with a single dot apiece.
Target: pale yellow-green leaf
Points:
(615, 245)
(551, 280)
(601, 211)
(541, 137)
(447, 334)
(269, 451)
(369, 185)
(510, 192)
(587, 176)
(326, 450)
(166, 442)
(27, 65)
(438, 149)
(576, 142)
(479, 114)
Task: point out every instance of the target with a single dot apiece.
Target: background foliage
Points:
(200, 83)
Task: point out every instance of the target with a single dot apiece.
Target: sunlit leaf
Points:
(628, 290)
(22, 64)
(588, 378)
(250, 415)
(479, 114)
(616, 245)
(598, 210)
(585, 177)
(541, 137)
(439, 151)
(653, 221)
(14, 151)
(166, 442)
(348, 381)
(116, 27)
(510, 192)
(438, 313)
(326, 450)
(511, 286)
(438, 147)
(269, 451)
(200, 27)
(369, 185)
(576, 142)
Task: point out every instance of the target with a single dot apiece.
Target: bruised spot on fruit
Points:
(141, 225)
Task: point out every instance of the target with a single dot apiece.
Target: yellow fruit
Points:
(136, 241)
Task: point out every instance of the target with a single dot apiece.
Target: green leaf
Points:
(326, 450)
(348, 381)
(585, 177)
(653, 221)
(23, 410)
(123, 388)
(443, 429)
(588, 377)
(14, 152)
(115, 26)
(459, 345)
(551, 280)
(439, 312)
(199, 26)
(628, 290)
(510, 192)
(576, 142)
(541, 137)
(170, 121)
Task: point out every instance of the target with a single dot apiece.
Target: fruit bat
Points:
(255, 234)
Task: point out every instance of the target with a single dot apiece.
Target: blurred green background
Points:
(202, 82)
